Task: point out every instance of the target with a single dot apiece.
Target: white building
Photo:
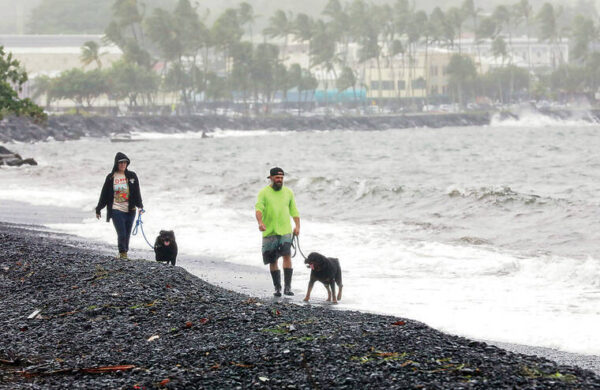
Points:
(521, 52)
(52, 54)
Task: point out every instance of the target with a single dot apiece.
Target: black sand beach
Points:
(98, 322)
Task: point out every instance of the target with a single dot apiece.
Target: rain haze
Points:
(445, 152)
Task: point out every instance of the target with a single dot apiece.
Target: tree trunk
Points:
(380, 90)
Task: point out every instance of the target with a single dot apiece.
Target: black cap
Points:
(276, 171)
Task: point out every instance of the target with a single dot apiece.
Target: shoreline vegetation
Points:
(72, 127)
(73, 315)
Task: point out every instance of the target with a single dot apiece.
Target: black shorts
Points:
(273, 247)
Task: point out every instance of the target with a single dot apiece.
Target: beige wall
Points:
(52, 63)
(426, 77)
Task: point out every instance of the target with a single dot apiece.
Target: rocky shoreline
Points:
(72, 316)
(69, 127)
(72, 127)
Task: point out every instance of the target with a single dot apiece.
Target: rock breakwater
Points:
(66, 127)
(72, 317)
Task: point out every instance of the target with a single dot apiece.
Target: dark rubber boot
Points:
(287, 277)
(276, 275)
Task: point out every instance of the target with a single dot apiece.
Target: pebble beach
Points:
(73, 316)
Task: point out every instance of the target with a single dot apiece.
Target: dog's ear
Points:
(171, 234)
(162, 232)
(320, 258)
(311, 257)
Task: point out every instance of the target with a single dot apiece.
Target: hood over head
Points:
(118, 157)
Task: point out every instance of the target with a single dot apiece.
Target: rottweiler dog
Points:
(326, 270)
(165, 247)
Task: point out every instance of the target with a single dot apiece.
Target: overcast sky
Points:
(14, 12)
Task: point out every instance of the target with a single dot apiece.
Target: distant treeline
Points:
(178, 50)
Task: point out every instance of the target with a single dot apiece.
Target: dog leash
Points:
(297, 245)
(140, 224)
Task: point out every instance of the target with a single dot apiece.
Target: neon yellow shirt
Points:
(276, 207)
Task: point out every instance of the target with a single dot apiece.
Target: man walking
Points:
(274, 207)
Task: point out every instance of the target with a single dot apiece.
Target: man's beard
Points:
(277, 186)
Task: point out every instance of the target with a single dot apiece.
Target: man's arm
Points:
(297, 227)
(261, 225)
(259, 207)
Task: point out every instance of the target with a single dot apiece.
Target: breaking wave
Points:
(536, 119)
(498, 195)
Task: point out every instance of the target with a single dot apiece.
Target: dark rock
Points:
(13, 159)
(108, 322)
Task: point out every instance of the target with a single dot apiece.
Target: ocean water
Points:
(487, 232)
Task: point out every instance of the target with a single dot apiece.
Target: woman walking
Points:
(121, 195)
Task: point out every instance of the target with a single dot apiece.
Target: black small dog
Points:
(165, 247)
(326, 270)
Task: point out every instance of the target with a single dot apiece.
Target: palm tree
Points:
(303, 27)
(368, 23)
(338, 24)
(161, 28)
(471, 11)
(189, 28)
(226, 32)
(499, 50)
(247, 17)
(126, 32)
(504, 18)
(322, 51)
(264, 65)
(127, 14)
(414, 31)
(190, 33)
(456, 18)
(437, 20)
(346, 80)
(548, 28)
(402, 13)
(240, 80)
(294, 75)
(461, 74)
(523, 12)
(303, 31)
(43, 85)
(308, 82)
(444, 30)
(584, 32)
(280, 25)
(90, 52)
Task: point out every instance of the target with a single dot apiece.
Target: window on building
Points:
(401, 85)
(434, 90)
(419, 83)
(387, 85)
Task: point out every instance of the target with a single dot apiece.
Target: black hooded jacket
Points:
(107, 195)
